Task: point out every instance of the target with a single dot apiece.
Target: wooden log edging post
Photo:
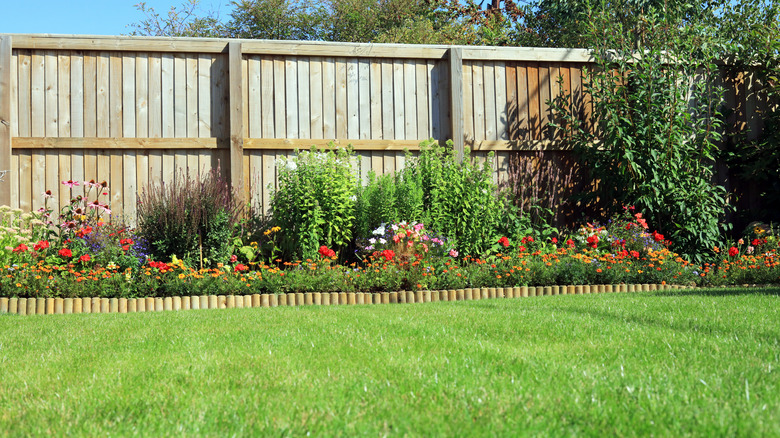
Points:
(49, 306)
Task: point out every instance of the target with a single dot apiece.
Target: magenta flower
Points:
(70, 183)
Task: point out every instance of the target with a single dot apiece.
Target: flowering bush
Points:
(407, 241)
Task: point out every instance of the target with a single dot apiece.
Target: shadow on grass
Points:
(716, 292)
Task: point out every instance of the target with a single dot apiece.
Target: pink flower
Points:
(396, 238)
(418, 227)
(70, 183)
(233, 258)
(453, 253)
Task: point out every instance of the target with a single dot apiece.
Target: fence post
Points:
(5, 120)
(236, 121)
(456, 98)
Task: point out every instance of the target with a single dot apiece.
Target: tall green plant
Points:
(314, 204)
(656, 124)
(459, 199)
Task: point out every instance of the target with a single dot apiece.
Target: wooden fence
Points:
(134, 110)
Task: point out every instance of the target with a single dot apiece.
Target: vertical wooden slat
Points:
(204, 96)
(410, 99)
(280, 111)
(63, 94)
(376, 98)
(489, 86)
(116, 184)
(398, 100)
(25, 180)
(434, 103)
(364, 98)
(220, 99)
(192, 98)
(179, 96)
(115, 94)
(236, 121)
(291, 96)
(77, 94)
(129, 176)
(445, 104)
(468, 101)
(168, 99)
(90, 95)
(341, 98)
(423, 97)
(102, 90)
(328, 99)
(353, 119)
(511, 102)
(142, 95)
(254, 98)
(303, 100)
(522, 102)
(478, 77)
(14, 91)
(38, 95)
(24, 93)
(267, 97)
(315, 90)
(545, 89)
(456, 102)
(51, 177)
(501, 102)
(388, 111)
(155, 115)
(5, 117)
(534, 117)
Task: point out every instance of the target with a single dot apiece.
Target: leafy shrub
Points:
(314, 204)
(657, 124)
(458, 198)
(189, 218)
(386, 199)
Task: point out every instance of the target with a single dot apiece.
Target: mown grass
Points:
(669, 364)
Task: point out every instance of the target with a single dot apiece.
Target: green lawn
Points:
(666, 363)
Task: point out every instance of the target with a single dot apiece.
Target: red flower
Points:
(65, 252)
(325, 252)
(757, 242)
(504, 241)
(233, 258)
(570, 243)
(388, 254)
(43, 244)
(554, 240)
(658, 237)
(240, 267)
(635, 254)
(593, 241)
(733, 251)
(521, 248)
(85, 258)
(126, 242)
(21, 248)
(623, 253)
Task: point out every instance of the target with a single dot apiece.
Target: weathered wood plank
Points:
(115, 95)
(204, 95)
(103, 100)
(155, 96)
(534, 116)
(303, 100)
(25, 180)
(512, 126)
(434, 106)
(423, 97)
(179, 96)
(77, 94)
(388, 110)
(38, 95)
(168, 96)
(142, 95)
(128, 96)
(254, 97)
(489, 78)
(63, 94)
(267, 96)
(353, 119)
(341, 99)
(13, 91)
(328, 99)
(116, 143)
(220, 98)
(545, 88)
(376, 98)
(236, 122)
(6, 59)
(479, 101)
(280, 115)
(315, 90)
(364, 98)
(399, 105)
(501, 102)
(50, 73)
(456, 84)
(90, 96)
(467, 98)
(192, 97)
(410, 99)
(24, 93)
(291, 96)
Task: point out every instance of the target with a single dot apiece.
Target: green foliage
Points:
(314, 203)
(191, 219)
(459, 198)
(656, 125)
(387, 198)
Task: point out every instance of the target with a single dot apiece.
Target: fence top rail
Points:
(293, 48)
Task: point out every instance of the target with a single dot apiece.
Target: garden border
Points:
(56, 306)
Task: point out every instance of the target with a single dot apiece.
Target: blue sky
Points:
(85, 17)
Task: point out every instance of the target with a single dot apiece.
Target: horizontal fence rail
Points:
(135, 111)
